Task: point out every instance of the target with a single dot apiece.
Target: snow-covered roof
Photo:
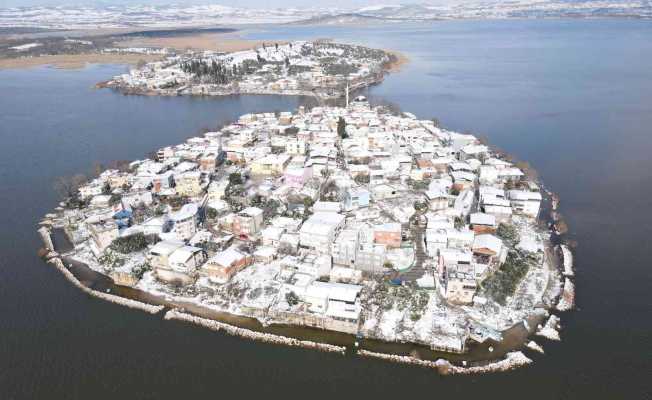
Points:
(165, 248)
(482, 219)
(227, 257)
(334, 291)
(489, 242)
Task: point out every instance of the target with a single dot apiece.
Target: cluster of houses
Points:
(292, 68)
(330, 195)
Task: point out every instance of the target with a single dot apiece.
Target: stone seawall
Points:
(511, 361)
(252, 335)
(137, 305)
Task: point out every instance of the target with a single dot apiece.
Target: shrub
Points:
(503, 283)
(508, 233)
(129, 244)
(292, 298)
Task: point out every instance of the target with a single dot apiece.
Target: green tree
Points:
(341, 128)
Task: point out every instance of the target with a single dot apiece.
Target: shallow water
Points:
(574, 98)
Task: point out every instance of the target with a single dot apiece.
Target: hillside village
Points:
(319, 68)
(351, 219)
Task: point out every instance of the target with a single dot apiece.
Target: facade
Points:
(184, 221)
(248, 223)
(355, 198)
(388, 235)
(189, 184)
(320, 230)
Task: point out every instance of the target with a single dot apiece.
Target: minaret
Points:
(347, 93)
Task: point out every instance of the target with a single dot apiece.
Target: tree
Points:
(235, 178)
(129, 244)
(68, 186)
(508, 233)
(292, 298)
(361, 179)
(341, 128)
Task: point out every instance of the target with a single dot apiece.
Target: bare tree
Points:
(67, 186)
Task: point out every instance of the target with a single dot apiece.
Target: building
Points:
(225, 264)
(337, 300)
(271, 164)
(370, 257)
(189, 184)
(345, 248)
(158, 255)
(354, 198)
(459, 284)
(103, 234)
(482, 223)
(388, 234)
(296, 147)
(525, 202)
(320, 230)
(208, 162)
(248, 222)
(184, 221)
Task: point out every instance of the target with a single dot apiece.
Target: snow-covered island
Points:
(348, 219)
(320, 68)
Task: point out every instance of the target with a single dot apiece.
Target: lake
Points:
(572, 97)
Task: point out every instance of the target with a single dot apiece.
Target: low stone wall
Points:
(46, 237)
(253, 335)
(567, 299)
(152, 309)
(511, 361)
(313, 321)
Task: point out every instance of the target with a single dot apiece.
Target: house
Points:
(272, 236)
(337, 300)
(327, 206)
(525, 202)
(354, 198)
(296, 177)
(189, 184)
(208, 162)
(459, 284)
(248, 222)
(156, 225)
(319, 231)
(182, 265)
(296, 147)
(345, 247)
(388, 234)
(103, 234)
(488, 249)
(158, 255)
(265, 254)
(271, 164)
(184, 221)
(437, 199)
(217, 190)
(483, 223)
(370, 257)
(225, 264)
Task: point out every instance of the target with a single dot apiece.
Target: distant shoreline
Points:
(76, 61)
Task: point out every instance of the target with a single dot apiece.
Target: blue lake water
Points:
(574, 98)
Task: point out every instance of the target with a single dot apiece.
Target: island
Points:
(352, 228)
(320, 68)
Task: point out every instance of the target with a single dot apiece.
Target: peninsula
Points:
(354, 221)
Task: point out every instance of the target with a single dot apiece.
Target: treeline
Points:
(211, 71)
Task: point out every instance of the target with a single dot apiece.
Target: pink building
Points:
(297, 177)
